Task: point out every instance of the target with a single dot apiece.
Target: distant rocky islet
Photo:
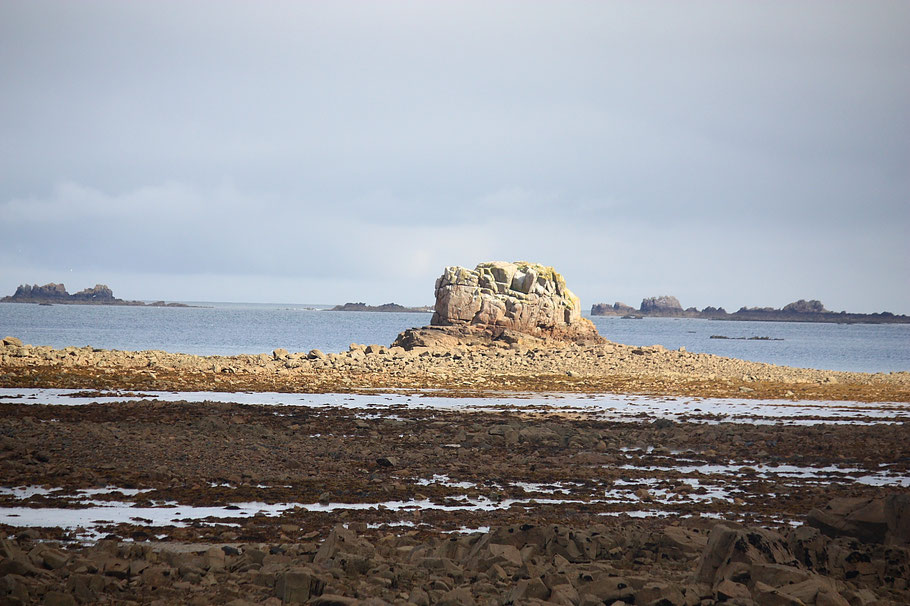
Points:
(385, 307)
(56, 294)
(799, 311)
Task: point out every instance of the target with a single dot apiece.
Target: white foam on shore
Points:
(444, 480)
(830, 473)
(611, 407)
(26, 492)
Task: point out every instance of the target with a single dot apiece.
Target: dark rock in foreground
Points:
(560, 525)
(524, 563)
(56, 294)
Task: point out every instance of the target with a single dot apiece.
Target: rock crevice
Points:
(527, 298)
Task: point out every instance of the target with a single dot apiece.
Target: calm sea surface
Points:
(228, 328)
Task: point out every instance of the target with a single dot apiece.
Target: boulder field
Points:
(577, 512)
(519, 564)
(450, 362)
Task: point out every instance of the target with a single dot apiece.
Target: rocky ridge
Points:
(519, 564)
(456, 366)
(799, 311)
(385, 307)
(56, 294)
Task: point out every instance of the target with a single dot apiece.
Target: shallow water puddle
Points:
(93, 515)
(25, 492)
(830, 473)
(602, 406)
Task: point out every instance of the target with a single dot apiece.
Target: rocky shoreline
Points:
(451, 363)
(225, 503)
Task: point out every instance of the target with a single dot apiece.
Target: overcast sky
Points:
(727, 153)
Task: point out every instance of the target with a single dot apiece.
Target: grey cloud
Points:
(329, 142)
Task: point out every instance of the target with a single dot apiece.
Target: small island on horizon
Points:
(798, 311)
(385, 307)
(56, 294)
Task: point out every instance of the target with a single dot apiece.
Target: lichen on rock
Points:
(529, 298)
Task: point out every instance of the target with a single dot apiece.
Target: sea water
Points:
(228, 328)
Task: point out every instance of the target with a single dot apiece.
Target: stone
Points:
(214, 558)
(607, 589)
(13, 587)
(766, 595)
(280, 354)
(387, 462)
(508, 553)
(807, 591)
(342, 540)
(777, 575)
(460, 596)
(678, 541)
(12, 342)
(660, 593)
(564, 594)
(58, 598)
(18, 564)
(526, 589)
(54, 558)
(419, 597)
(136, 567)
(730, 545)
(330, 599)
(298, 585)
(884, 520)
(727, 590)
(525, 297)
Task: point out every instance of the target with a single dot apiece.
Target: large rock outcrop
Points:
(503, 301)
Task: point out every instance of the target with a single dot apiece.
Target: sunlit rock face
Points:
(525, 297)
